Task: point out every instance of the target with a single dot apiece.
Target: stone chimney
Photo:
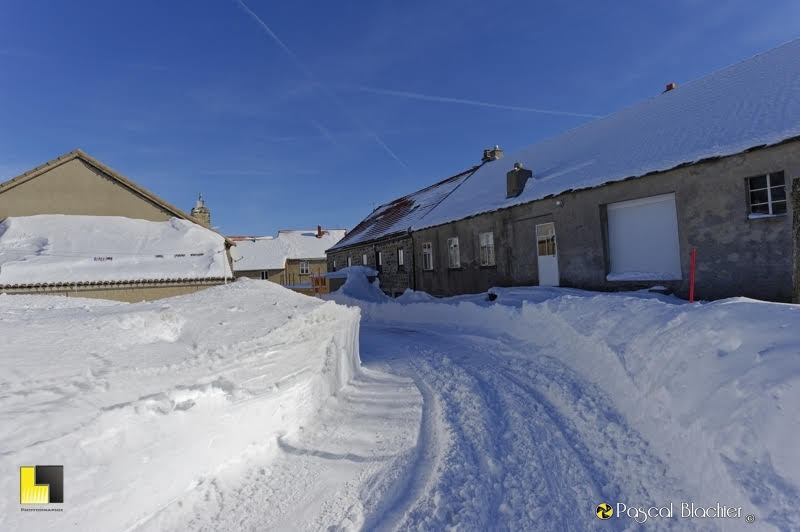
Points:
(515, 180)
(671, 86)
(492, 154)
(201, 213)
(319, 231)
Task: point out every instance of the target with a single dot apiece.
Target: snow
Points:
(758, 216)
(358, 287)
(345, 272)
(642, 276)
(54, 248)
(268, 253)
(249, 407)
(400, 215)
(149, 404)
(412, 296)
(559, 399)
(749, 104)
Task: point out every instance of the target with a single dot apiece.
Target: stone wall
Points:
(394, 278)
(132, 292)
(736, 255)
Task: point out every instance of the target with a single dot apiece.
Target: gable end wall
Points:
(77, 188)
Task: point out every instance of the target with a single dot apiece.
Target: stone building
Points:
(619, 203)
(291, 259)
(383, 240)
(81, 190)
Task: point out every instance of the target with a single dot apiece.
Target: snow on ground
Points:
(249, 407)
(358, 286)
(57, 248)
(549, 401)
(157, 408)
(344, 273)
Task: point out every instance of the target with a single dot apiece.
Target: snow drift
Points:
(142, 403)
(57, 248)
(713, 387)
(357, 286)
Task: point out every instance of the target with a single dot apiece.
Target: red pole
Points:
(691, 276)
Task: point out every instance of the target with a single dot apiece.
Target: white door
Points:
(548, 257)
(643, 239)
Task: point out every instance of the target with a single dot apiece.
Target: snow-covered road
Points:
(247, 407)
(510, 441)
(544, 404)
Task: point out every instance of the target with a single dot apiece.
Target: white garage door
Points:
(643, 239)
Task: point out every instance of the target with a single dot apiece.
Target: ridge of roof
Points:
(738, 108)
(314, 231)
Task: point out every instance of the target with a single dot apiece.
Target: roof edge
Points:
(133, 282)
(390, 236)
(88, 159)
(651, 173)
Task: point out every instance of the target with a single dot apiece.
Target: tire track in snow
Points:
(416, 471)
(532, 445)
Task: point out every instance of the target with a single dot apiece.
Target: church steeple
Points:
(201, 213)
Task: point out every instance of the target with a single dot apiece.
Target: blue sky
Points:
(292, 114)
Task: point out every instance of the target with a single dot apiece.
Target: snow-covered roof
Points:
(271, 253)
(403, 213)
(57, 248)
(746, 105)
(109, 172)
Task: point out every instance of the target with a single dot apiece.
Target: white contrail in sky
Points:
(314, 79)
(428, 97)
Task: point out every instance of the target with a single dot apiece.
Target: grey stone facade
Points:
(796, 240)
(736, 255)
(394, 278)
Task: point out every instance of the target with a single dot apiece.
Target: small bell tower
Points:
(201, 213)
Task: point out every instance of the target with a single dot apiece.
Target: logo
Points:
(41, 484)
(604, 511)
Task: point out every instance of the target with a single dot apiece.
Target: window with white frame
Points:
(400, 257)
(487, 248)
(264, 276)
(453, 253)
(427, 256)
(364, 259)
(334, 264)
(349, 261)
(304, 267)
(767, 195)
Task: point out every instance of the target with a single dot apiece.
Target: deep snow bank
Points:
(53, 248)
(713, 387)
(357, 286)
(144, 402)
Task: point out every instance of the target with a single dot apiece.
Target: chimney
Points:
(671, 86)
(515, 180)
(492, 154)
(319, 231)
